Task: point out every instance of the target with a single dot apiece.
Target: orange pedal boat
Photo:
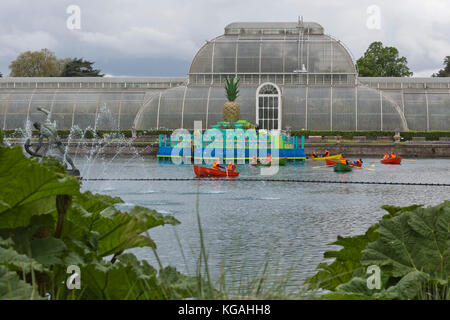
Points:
(209, 172)
(396, 160)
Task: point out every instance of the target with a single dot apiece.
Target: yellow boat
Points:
(335, 157)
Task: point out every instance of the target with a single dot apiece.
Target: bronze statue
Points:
(47, 130)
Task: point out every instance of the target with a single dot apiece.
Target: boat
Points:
(334, 157)
(281, 162)
(396, 160)
(209, 172)
(340, 167)
(332, 163)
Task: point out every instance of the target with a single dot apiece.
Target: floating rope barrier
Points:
(274, 180)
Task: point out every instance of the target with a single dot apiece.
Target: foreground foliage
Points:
(47, 225)
(411, 246)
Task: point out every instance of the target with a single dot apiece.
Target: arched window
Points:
(268, 106)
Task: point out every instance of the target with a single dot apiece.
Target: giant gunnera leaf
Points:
(24, 184)
(412, 252)
(13, 288)
(110, 230)
(347, 261)
(416, 241)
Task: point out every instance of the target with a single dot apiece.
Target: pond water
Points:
(246, 224)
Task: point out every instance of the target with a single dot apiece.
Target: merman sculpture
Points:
(47, 130)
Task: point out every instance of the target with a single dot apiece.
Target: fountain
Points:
(47, 130)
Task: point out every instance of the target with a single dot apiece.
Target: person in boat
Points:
(216, 165)
(231, 167)
(255, 159)
(393, 155)
(386, 156)
(269, 158)
(358, 162)
(314, 155)
(327, 153)
(344, 160)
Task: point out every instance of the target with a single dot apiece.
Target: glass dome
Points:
(279, 50)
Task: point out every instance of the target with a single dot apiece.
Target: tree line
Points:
(44, 63)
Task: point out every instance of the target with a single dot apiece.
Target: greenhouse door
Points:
(268, 107)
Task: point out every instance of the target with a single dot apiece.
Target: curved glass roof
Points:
(271, 48)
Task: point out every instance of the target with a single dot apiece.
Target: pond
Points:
(248, 223)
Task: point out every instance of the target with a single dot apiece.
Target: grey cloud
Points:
(164, 36)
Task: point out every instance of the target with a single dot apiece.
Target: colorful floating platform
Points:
(280, 147)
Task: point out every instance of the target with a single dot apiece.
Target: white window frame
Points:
(278, 96)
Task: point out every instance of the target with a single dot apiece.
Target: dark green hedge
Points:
(347, 135)
(372, 135)
(90, 133)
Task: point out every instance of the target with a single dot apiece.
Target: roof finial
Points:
(300, 22)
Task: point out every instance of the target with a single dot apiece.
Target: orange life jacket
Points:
(386, 156)
(231, 167)
(269, 158)
(314, 155)
(393, 155)
(215, 165)
(327, 153)
(343, 160)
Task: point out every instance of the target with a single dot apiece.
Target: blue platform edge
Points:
(230, 154)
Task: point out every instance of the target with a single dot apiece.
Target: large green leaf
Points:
(347, 261)
(47, 251)
(418, 240)
(13, 288)
(110, 230)
(24, 183)
(17, 261)
(125, 279)
(92, 228)
(129, 278)
(409, 287)
(355, 287)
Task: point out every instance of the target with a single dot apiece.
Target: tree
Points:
(446, 71)
(80, 68)
(380, 61)
(35, 64)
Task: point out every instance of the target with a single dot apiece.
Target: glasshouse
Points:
(291, 75)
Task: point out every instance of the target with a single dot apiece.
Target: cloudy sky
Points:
(160, 38)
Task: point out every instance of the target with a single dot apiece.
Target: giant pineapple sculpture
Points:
(231, 109)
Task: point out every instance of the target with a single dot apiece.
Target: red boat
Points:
(396, 160)
(332, 163)
(209, 172)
